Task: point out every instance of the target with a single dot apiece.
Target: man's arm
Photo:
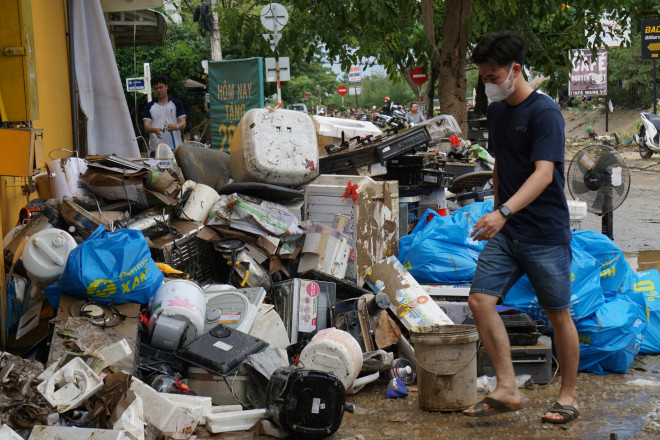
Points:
(182, 123)
(149, 129)
(490, 224)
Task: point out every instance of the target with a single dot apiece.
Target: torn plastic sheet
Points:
(264, 218)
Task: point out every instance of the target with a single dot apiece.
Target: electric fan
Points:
(599, 176)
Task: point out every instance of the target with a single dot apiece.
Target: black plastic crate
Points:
(535, 360)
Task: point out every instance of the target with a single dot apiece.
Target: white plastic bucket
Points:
(199, 204)
(64, 175)
(180, 298)
(45, 255)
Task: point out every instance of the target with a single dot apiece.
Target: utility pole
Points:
(216, 48)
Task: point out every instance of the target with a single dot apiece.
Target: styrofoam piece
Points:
(197, 406)
(115, 352)
(45, 255)
(334, 351)
(70, 386)
(333, 127)
(274, 146)
(6, 433)
(164, 415)
(217, 409)
(132, 420)
(269, 327)
(42, 432)
(461, 291)
(52, 368)
(577, 210)
(234, 421)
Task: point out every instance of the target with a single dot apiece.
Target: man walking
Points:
(164, 117)
(529, 230)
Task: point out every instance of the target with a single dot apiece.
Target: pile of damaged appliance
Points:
(208, 292)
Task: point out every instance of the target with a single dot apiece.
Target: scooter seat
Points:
(655, 119)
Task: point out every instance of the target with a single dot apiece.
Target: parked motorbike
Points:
(396, 120)
(648, 139)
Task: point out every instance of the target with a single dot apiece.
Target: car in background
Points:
(300, 107)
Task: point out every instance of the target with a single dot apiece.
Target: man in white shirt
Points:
(164, 117)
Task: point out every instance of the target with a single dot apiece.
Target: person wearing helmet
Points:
(388, 106)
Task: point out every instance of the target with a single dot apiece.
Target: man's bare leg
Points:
(568, 356)
(496, 342)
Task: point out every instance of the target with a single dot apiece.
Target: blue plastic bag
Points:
(396, 389)
(440, 250)
(611, 338)
(109, 267)
(616, 275)
(646, 288)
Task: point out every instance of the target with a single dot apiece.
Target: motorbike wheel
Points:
(644, 151)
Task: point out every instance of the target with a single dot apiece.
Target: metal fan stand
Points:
(607, 220)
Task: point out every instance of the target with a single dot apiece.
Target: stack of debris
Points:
(176, 297)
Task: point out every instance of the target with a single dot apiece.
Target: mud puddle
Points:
(643, 260)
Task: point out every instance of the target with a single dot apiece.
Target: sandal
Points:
(567, 411)
(495, 407)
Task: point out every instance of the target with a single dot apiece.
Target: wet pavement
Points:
(621, 406)
(614, 406)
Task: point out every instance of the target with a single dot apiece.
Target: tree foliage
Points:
(179, 59)
(390, 32)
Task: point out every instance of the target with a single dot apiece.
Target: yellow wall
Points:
(51, 53)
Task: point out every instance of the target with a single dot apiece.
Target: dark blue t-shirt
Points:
(520, 135)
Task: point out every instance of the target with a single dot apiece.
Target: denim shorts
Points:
(503, 261)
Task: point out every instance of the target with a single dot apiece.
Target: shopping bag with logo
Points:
(109, 267)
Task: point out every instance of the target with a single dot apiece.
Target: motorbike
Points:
(396, 120)
(648, 139)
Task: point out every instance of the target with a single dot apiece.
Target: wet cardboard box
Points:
(116, 328)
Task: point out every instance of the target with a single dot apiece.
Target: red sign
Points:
(419, 77)
(342, 90)
(306, 96)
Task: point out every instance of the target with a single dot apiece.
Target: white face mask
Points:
(501, 91)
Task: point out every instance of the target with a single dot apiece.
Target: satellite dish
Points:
(274, 17)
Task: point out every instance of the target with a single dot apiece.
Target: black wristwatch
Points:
(505, 211)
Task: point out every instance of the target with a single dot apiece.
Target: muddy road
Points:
(614, 406)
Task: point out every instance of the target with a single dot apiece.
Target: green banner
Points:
(235, 86)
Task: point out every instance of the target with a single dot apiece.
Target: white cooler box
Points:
(274, 146)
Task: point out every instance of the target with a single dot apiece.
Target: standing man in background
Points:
(529, 230)
(164, 117)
